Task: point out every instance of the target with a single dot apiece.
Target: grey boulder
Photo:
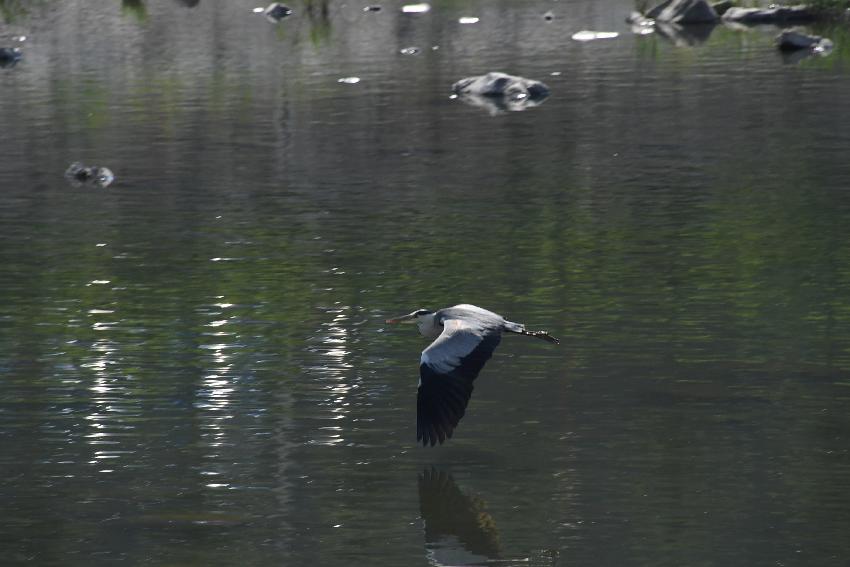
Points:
(684, 12)
(773, 15)
(723, 6)
(499, 92)
(495, 84)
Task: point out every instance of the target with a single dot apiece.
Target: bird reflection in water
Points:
(458, 529)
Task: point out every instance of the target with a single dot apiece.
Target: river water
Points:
(195, 366)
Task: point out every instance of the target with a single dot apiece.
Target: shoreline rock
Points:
(684, 12)
(774, 15)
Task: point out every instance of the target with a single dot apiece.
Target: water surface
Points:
(195, 368)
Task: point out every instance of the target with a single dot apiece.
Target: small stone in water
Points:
(409, 51)
(549, 16)
(9, 56)
(349, 80)
(468, 20)
(277, 11)
(78, 174)
(374, 8)
(416, 8)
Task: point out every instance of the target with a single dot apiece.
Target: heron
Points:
(465, 337)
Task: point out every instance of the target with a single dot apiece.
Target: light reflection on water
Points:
(195, 368)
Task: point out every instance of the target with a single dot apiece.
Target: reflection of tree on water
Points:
(320, 23)
(138, 8)
(135, 8)
(11, 9)
(458, 528)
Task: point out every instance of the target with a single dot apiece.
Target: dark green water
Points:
(195, 368)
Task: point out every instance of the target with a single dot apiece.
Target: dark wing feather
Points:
(448, 368)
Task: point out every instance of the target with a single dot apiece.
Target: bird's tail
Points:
(521, 330)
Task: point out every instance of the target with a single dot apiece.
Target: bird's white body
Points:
(431, 324)
(428, 326)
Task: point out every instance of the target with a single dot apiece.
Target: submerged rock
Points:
(500, 92)
(276, 12)
(9, 56)
(684, 12)
(773, 15)
(495, 105)
(794, 40)
(497, 84)
(97, 176)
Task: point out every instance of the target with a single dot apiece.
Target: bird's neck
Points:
(428, 326)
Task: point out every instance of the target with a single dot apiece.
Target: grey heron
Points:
(465, 337)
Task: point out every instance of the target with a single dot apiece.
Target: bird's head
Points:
(425, 319)
(410, 317)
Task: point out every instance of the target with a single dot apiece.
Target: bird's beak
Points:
(402, 319)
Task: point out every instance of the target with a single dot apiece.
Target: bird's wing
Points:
(447, 369)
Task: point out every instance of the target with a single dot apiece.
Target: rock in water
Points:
(793, 40)
(97, 176)
(497, 84)
(722, 6)
(9, 56)
(652, 13)
(500, 92)
(774, 15)
(684, 12)
(276, 12)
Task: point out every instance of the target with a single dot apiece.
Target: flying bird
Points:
(465, 337)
